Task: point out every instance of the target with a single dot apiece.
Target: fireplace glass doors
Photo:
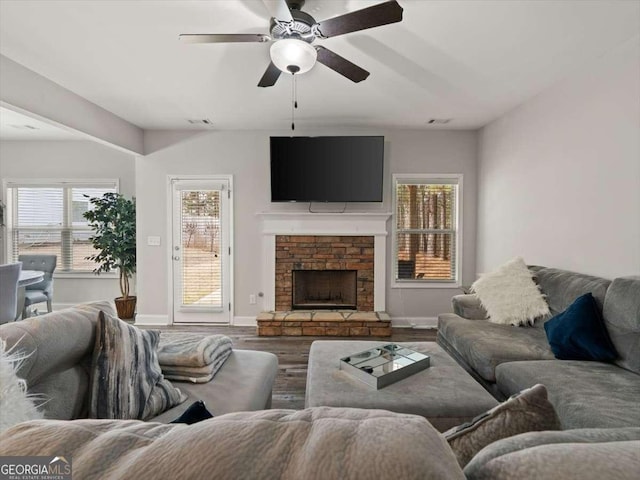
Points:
(324, 289)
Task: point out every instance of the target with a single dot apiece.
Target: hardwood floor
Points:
(293, 354)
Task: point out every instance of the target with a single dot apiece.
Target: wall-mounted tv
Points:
(327, 169)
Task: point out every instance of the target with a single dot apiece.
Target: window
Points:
(45, 217)
(426, 230)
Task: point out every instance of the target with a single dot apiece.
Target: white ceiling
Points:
(467, 60)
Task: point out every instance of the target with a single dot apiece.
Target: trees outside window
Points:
(426, 228)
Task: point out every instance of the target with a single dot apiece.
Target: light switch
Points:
(153, 241)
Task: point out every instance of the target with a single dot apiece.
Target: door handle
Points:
(176, 258)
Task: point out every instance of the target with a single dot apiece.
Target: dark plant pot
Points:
(126, 307)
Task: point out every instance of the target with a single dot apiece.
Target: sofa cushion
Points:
(562, 287)
(57, 365)
(556, 458)
(526, 411)
(509, 294)
(622, 318)
(585, 394)
(243, 383)
(468, 306)
(126, 379)
(485, 345)
(317, 443)
(579, 333)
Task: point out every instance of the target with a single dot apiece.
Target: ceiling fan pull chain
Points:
(294, 103)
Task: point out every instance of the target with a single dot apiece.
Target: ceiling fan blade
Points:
(279, 10)
(224, 37)
(270, 76)
(341, 65)
(381, 14)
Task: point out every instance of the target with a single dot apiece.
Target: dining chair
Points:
(41, 291)
(9, 275)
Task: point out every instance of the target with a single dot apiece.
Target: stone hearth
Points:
(324, 323)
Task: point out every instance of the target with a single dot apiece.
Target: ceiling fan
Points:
(293, 32)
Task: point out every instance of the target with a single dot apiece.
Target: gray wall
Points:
(69, 159)
(245, 155)
(559, 177)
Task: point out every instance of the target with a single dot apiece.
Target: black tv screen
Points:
(327, 169)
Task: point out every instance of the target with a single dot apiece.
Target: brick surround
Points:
(324, 252)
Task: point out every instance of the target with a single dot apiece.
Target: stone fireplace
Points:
(333, 262)
(332, 247)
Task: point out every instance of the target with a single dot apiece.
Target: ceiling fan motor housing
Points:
(301, 27)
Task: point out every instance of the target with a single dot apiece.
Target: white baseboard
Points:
(154, 320)
(244, 322)
(250, 321)
(414, 322)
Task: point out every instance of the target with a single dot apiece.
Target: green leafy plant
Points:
(113, 218)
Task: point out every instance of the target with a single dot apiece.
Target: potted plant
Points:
(113, 219)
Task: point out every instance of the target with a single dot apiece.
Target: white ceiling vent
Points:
(199, 121)
(439, 121)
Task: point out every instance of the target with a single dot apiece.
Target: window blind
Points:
(426, 248)
(48, 219)
(201, 242)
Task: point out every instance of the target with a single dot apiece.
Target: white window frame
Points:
(53, 183)
(428, 178)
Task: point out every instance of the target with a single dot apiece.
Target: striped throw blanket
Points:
(190, 357)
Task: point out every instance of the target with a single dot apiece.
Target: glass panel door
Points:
(201, 253)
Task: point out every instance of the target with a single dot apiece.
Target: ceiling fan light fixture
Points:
(291, 55)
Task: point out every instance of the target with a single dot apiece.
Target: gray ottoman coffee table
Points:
(443, 393)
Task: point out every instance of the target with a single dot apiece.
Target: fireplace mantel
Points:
(306, 223)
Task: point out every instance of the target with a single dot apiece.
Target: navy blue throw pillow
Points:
(579, 333)
(195, 413)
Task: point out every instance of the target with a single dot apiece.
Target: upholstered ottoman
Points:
(444, 393)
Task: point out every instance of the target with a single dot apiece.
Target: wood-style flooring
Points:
(293, 354)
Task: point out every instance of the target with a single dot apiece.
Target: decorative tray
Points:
(384, 365)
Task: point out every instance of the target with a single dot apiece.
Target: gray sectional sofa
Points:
(59, 347)
(507, 359)
(317, 443)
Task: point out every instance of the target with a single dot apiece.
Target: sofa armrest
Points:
(468, 306)
(586, 453)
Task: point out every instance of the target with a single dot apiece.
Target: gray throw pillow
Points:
(527, 411)
(126, 379)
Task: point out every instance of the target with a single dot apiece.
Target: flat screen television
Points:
(327, 169)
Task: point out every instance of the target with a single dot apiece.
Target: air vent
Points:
(24, 127)
(439, 121)
(198, 121)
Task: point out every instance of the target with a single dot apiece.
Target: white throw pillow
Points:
(509, 294)
(16, 405)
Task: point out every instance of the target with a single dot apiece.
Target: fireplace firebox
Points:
(324, 289)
